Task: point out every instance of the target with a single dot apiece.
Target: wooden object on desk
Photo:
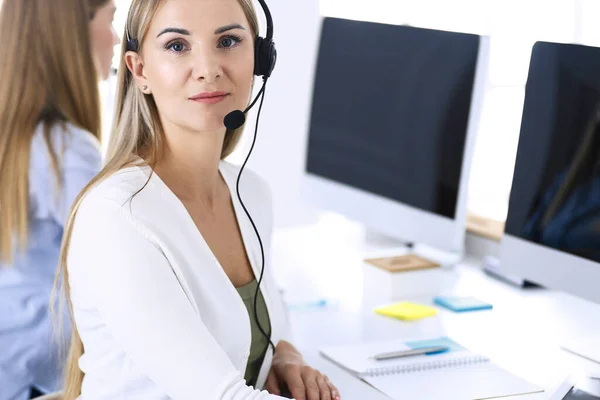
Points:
(408, 262)
(397, 278)
(486, 227)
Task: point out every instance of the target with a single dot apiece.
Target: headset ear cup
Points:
(257, 46)
(132, 45)
(265, 56)
(272, 58)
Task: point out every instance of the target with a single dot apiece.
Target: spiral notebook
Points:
(457, 374)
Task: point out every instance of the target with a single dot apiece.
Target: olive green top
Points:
(259, 344)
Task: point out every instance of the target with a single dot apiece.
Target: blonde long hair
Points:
(47, 76)
(136, 134)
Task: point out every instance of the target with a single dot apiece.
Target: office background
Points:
(513, 27)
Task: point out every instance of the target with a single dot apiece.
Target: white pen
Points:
(411, 352)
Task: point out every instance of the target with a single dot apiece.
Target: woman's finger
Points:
(324, 387)
(335, 393)
(272, 384)
(309, 377)
(293, 379)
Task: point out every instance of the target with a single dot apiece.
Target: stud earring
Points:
(145, 87)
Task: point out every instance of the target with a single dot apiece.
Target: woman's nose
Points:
(207, 66)
(116, 39)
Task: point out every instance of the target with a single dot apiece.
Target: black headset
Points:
(265, 58)
(265, 53)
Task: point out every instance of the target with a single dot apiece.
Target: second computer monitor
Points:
(553, 224)
(394, 115)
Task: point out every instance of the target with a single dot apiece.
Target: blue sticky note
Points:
(442, 342)
(461, 304)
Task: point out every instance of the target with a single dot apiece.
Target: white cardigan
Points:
(158, 316)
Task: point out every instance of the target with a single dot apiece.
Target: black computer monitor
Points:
(553, 223)
(394, 115)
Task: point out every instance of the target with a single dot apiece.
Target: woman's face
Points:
(197, 60)
(104, 38)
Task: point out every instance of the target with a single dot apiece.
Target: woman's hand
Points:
(304, 383)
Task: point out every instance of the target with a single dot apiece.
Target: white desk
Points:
(522, 333)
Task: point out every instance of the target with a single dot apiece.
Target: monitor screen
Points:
(555, 196)
(390, 111)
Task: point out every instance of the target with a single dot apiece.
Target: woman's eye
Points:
(176, 47)
(229, 42)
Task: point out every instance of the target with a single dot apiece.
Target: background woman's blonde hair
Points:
(136, 134)
(47, 75)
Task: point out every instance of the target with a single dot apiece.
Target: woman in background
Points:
(53, 56)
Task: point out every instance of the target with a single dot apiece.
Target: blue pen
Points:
(411, 352)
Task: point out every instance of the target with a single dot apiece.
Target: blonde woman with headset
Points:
(53, 55)
(159, 265)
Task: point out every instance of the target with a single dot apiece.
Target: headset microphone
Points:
(237, 118)
(234, 119)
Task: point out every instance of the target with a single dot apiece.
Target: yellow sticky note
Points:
(406, 311)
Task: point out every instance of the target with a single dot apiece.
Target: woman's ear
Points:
(135, 64)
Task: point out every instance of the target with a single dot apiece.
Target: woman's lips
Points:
(209, 97)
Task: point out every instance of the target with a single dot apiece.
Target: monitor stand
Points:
(491, 266)
(586, 347)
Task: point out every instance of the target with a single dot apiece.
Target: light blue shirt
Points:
(28, 346)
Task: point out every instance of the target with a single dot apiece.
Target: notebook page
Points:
(484, 381)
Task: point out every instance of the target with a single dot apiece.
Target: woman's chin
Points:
(215, 125)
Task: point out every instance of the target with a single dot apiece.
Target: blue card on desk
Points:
(450, 344)
(461, 304)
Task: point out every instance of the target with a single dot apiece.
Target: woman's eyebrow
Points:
(228, 28)
(188, 33)
(174, 30)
